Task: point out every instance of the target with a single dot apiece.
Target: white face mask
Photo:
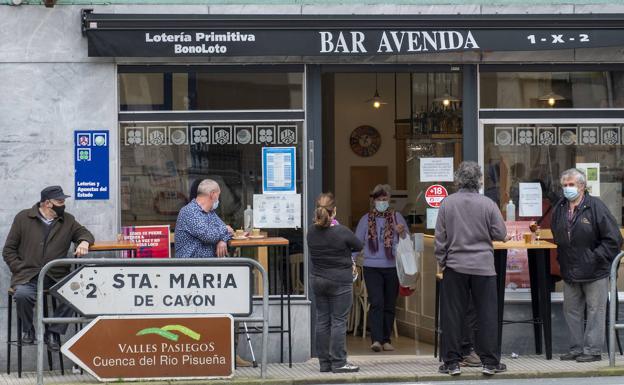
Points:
(215, 205)
(382, 206)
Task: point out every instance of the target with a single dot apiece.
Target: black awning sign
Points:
(113, 35)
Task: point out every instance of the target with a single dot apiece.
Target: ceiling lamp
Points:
(551, 98)
(446, 99)
(376, 100)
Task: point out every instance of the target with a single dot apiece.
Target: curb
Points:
(601, 372)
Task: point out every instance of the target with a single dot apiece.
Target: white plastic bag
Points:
(407, 263)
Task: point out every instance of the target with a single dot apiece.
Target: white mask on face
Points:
(382, 206)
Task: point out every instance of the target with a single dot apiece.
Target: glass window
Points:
(598, 89)
(539, 153)
(437, 102)
(193, 90)
(160, 161)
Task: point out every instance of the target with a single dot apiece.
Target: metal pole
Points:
(613, 298)
(39, 326)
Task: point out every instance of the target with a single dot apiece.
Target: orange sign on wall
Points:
(155, 347)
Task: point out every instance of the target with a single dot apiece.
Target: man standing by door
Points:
(39, 235)
(588, 239)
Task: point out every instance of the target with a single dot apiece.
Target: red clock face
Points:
(365, 141)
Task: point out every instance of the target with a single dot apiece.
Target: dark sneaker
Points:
(588, 358)
(472, 360)
(569, 356)
(347, 368)
(452, 369)
(490, 370)
(28, 337)
(325, 369)
(52, 341)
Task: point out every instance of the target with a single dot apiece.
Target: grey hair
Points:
(468, 176)
(207, 186)
(381, 190)
(578, 175)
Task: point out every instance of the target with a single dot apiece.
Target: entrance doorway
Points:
(376, 128)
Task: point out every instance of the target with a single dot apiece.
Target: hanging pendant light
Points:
(376, 100)
(447, 98)
(551, 98)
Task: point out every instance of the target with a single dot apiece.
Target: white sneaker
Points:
(347, 368)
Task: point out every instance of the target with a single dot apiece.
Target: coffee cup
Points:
(239, 233)
(255, 232)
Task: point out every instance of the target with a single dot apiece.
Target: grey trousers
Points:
(25, 297)
(333, 303)
(586, 338)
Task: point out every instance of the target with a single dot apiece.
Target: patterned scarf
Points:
(388, 234)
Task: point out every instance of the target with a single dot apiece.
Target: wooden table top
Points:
(261, 242)
(523, 245)
(113, 245)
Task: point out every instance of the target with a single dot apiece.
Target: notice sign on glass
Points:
(153, 241)
(279, 170)
(436, 169)
(277, 211)
(91, 165)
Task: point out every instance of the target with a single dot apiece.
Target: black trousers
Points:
(470, 329)
(457, 288)
(382, 285)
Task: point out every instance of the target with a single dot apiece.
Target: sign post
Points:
(155, 347)
(117, 290)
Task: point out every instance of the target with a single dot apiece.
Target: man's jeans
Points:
(25, 297)
(333, 303)
(586, 338)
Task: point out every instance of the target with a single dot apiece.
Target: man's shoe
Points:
(569, 356)
(347, 368)
(240, 363)
(52, 341)
(490, 370)
(28, 337)
(387, 346)
(452, 369)
(326, 369)
(588, 358)
(472, 360)
(376, 346)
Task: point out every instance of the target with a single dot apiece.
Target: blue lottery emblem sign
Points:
(91, 164)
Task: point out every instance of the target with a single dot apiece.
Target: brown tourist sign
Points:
(115, 348)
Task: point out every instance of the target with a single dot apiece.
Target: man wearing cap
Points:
(39, 235)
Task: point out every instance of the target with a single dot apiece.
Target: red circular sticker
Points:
(435, 194)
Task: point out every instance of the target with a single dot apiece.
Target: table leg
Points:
(287, 268)
(535, 300)
(543, 273)
(263, 259)
(500, 263)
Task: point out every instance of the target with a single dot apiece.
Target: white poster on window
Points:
(432, 217)
(272, 211)
(592, 174)
(530, 200)
(436, 169)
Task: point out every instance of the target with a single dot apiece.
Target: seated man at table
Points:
(467, 224)
(200, 233)
(39, 235)
(588, 239)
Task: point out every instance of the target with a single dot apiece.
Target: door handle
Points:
(311, 154)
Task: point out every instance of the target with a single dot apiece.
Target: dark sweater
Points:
(330, 252)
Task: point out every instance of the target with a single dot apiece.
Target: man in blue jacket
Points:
(588, 239)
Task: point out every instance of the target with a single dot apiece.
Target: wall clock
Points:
(365, 140)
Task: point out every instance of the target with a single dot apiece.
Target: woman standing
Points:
(380, 229)
(332, 282)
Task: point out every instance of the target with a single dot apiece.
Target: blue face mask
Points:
(570, 192)
(382, 206)
(215, 205)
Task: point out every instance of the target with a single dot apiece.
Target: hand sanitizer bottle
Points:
(248, 218)
(511, 211)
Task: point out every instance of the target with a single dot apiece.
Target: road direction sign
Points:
(114, 348)
(117, 290)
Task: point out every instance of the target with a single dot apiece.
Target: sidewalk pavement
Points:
(372, 368)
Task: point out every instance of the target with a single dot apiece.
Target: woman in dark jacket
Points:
(332, 282)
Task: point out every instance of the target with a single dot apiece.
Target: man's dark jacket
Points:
(26, 251)
(585, 250)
